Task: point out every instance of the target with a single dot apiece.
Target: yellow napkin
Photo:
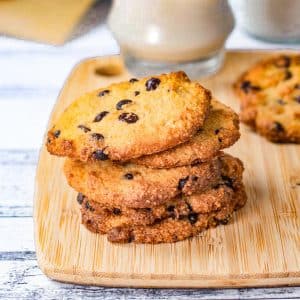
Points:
(48, 21)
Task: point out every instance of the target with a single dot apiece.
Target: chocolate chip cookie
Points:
(107, 216)
(137, 186)
(131, 119)
(215, 201)
(270, 98)
(220, 130)
(185, 218)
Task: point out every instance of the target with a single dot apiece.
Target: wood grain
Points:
(260, 248)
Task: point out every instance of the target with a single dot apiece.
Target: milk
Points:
(273, 20)
(171, 31)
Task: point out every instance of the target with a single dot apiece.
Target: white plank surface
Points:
(16, 234)
(23, 279)
(31, 76)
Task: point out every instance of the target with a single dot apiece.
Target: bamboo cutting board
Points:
(261, 247)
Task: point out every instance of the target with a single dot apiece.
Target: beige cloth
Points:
(41, 20)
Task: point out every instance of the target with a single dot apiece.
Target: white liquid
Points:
(277, 20)
(171, 30)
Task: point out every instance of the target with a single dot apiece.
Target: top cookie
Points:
(220, 130)
(270, 98)
(131, 119)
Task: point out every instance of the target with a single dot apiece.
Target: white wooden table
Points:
(31, 76)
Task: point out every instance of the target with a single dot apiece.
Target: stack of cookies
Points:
(145, 157)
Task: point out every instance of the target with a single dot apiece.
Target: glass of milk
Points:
(271, 20)
(165, 35)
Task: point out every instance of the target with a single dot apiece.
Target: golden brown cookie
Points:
(231, 177)
(130, 119)
(138, 186)
(270, 98)
(220, 130)
(181, 207)
(209, 209)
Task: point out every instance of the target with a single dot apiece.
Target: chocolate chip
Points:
(179, 217)
(116, 211)
(247, 87)
(281, 102)
(48, 141)
(283, 62)
(220, 140)
(136, 93)
(132, 80)
(216, 186)
(88, 206)
(217, 131)
(84, 128)
(128, 117)
(194, 178)
(255, 88)
(195, 162)
(128, 176)
(122, 102)
(182, 183)
(100, 116)
(103, 93)
(223, 221)
(146, 209)
(297, 99)
(288, 75)
(175, 237)
(278, 127)
(152, 83)
(97, 136)
(99, 155)
(227, 181)
(199, 130)
(80, 198)
(56, 133)
(170, 208)
(193, 217)
(297, 86)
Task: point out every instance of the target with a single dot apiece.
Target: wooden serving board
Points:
(260, 248)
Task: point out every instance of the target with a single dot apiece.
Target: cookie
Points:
(220, 130)
(177, 227)
(231, 177)
(181, 207)
(136, 186)
(270, 98)
(131, 119)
